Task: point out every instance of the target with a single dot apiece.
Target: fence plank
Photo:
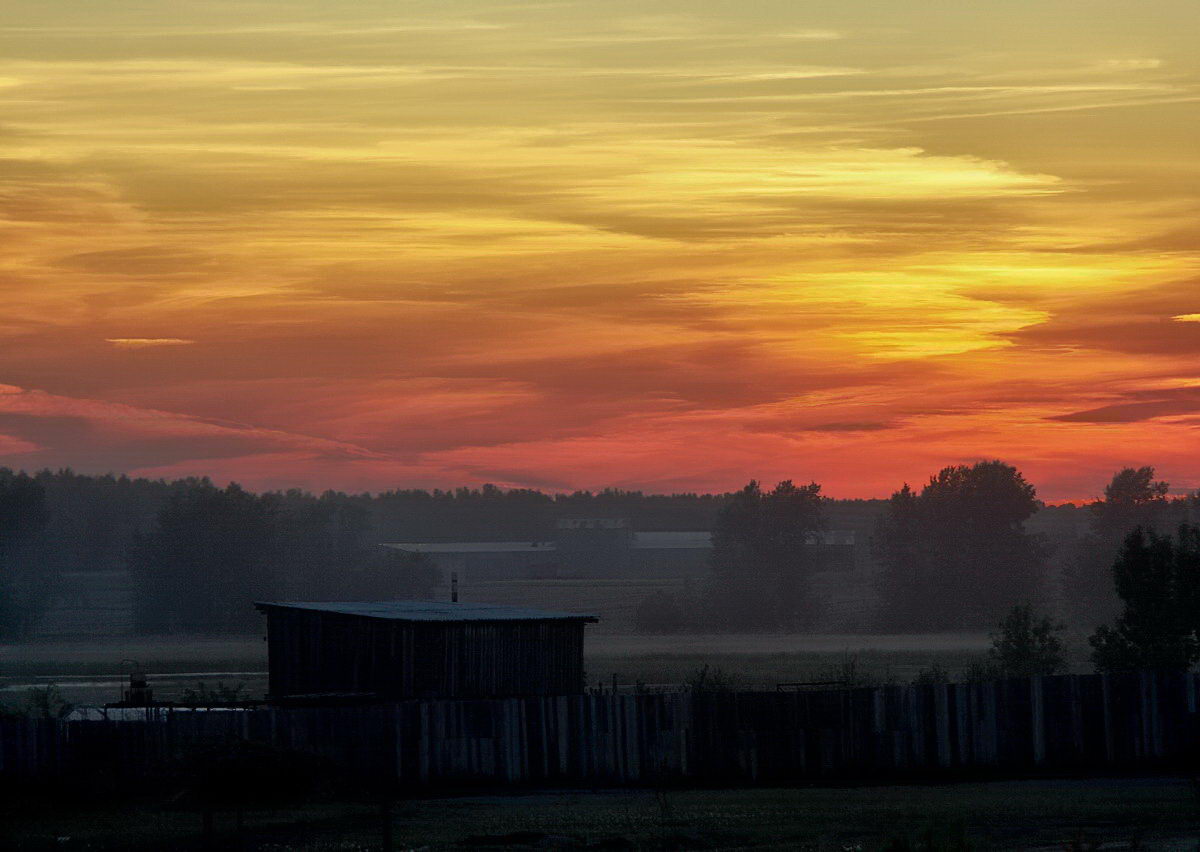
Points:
(1068, 722)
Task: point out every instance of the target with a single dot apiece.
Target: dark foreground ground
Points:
(1069, 815)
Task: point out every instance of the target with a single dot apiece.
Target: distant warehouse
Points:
(421, 649)
(605, 548)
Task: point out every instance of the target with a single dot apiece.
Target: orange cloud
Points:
(146, 342)
(567, 246)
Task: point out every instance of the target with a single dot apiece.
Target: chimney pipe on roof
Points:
(453, 587)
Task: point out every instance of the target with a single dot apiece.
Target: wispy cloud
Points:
(146, 342)
(583, 244)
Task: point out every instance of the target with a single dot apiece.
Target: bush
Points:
(1026, 645)
(217, 696)
(932, 675)
(47, 702)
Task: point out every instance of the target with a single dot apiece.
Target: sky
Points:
(666, 246)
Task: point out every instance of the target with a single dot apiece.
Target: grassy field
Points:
(181, 653)
(614, 600)
(92, 671)
(1071, 815)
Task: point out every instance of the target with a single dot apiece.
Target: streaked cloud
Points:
(1147, 64)
(587, 244)
(146, 342)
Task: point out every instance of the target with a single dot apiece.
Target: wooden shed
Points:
(422, 649)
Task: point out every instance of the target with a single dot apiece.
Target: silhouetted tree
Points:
(326, 546)
(1026, 644)
(1158, 580)
(1133, 499)
(210, 553)
(761, 557)
(26, 579)
(93, 518)
(957, 554)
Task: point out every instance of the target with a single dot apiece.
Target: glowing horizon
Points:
(577, 245)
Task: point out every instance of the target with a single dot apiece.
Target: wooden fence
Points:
(1051, 724)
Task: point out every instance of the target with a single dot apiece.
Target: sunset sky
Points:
(659, 245)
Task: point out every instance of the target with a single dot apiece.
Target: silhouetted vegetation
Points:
(760, 558)
(26, 584)
(1158, 580)
(208, 553)
(1027, 644)
(708, 680)
(958, 554)
(242, 547)
(1133, 499)
(968, 546)
(213, 696)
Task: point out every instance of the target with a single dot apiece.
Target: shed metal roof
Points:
(430, 611)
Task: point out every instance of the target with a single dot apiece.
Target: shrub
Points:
(1027, 645)
(711, 680)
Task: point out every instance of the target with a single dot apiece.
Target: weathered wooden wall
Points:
(1065, 723)
(314, 652)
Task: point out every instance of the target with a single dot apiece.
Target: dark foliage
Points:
(1158, 580)
(762, 558)
(213, 551)
(1132, 499)
(27, 582)
(1026, 645)
(957, 554)
(208, 555)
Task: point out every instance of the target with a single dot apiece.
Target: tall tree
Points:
(1158, 581)
(957, 555)
(1134, 499)
(761, 557)
(1026, 644)
(26, 578)
(209, 555)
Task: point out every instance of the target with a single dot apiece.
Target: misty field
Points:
(92, 671)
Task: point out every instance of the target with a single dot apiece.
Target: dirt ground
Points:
(1071, 815)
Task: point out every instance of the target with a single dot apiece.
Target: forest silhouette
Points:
(956, 554)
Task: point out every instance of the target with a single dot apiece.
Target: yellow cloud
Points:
(146, 342)
(492, 221)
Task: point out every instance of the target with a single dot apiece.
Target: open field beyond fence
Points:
(92, 671)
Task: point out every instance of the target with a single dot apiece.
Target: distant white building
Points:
(600, 548)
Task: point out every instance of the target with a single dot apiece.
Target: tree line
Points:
(198, 553)
(197, 558)
(951, 555)
(954, 555)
